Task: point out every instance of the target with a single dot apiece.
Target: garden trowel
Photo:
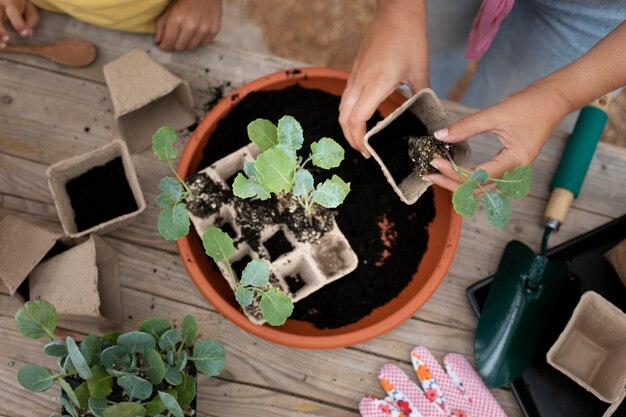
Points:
(525, 286)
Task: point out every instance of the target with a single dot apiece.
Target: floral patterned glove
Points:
(456, 391)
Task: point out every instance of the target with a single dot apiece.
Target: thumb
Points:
(159, 26)
(472, 125)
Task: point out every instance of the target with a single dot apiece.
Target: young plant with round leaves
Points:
(150, 366)
(279, 169)
(173, 222)
(495, 192)
(275, 305)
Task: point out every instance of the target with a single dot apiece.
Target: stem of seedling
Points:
(182, 182)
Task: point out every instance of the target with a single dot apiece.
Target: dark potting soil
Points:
(424, 149)
(277, 245)
(295, 282)
(386, 265)
(100, 194)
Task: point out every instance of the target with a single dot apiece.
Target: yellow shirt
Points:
(127, 15)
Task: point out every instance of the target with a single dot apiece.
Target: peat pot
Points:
(444, 233)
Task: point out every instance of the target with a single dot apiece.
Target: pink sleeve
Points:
(486, 25)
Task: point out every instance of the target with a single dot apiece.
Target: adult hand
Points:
(21, 14)
(394, 51)
(186, 24)
(522, 122)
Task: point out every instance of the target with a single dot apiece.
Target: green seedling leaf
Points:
(68, 366)
(186, 391)
(248, 169)
(97, 406)
(155, 326)
(217, 244)
(82, 394)
(117, 374)
(275, 170)
(263, 133)
(154, 368)
(245, 188)
(290, 132)
(516, 184)
(110, 337)
(304, 183)
(163, 144)
(155, 406)
(100, 384)
(181, 361)
(135, 387)
(125, 410)
(244, 295)
(255, 274)
(480, 176)
(169, 339)
(91, 347)
(287, 150)
(69, 392)
(136, 341)
(35, 378)
(173, 222)
(276, 307)
(497, 208)
(172, 376)
(464, 200)
(326, 153)
(36, 319)
(209, 357)
(331, 193)
(68, 406)
(189, 329)
(171, 404)
(79, 361)
(56, 348)
(171, 187)
(115, 355)
(171, 357)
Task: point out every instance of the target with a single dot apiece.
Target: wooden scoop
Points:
(68, 52)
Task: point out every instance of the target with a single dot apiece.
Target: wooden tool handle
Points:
(558, 205)
(21, 49)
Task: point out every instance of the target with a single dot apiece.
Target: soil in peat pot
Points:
(388, 236)
(100, 194)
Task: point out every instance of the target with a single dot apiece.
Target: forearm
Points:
(601, 70)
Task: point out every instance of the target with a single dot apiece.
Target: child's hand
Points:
(186, 24)
(21, 14)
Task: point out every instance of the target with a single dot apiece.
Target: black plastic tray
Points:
(542, 391)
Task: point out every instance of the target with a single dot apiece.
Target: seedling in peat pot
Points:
(148, 372)
(173, 222)
(275, 305)
(279, 169)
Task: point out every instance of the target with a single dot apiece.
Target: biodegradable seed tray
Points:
(317, 264)
(146, 96)
(82, 283)
(428, 109)
(63, 171)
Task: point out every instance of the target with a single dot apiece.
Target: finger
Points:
(472, 125)
(364, 108)
(376, 407)
(503, 161)
(170, 35)
(468, 381)
(159, 27)
(197, 39)
(31, 17)
(185, 36)
(348, 101)
(209, 38)
(442, 181)
(432, 375)
(445, 168)
(4, 34)
(17, 21)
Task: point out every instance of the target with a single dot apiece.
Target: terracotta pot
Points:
(444, 234)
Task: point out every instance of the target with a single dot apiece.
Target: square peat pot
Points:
(22, 246)
(96, 192)
(425, 105)
(146, 96)
(82, 283)
(591, 350)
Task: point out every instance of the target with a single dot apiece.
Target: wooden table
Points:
(48, 113)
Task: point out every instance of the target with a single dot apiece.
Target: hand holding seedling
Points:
(21, 14)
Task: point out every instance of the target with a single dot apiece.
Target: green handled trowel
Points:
(526, 285)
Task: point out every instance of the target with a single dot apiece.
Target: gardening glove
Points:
(458, 391)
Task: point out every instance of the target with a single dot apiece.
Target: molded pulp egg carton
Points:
(427, 107)
(318, 264)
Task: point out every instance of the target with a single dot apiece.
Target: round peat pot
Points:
(443, 231)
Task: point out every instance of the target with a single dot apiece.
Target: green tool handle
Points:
(575, 161)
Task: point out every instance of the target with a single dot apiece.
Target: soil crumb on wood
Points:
(369, 203)
(100, 194)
